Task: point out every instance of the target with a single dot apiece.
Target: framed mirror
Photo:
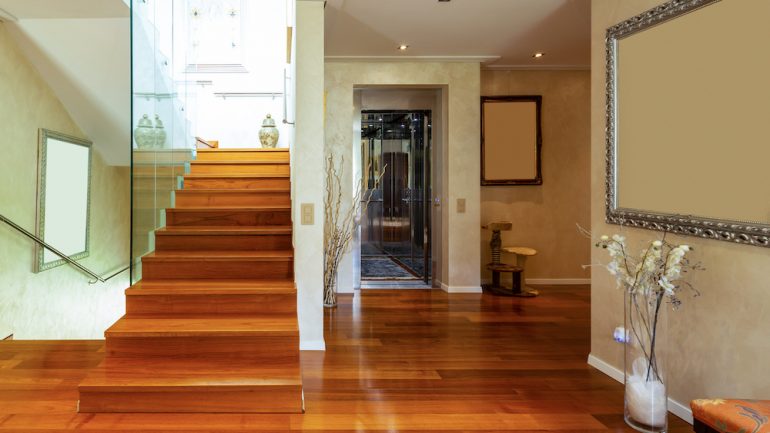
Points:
(63, 192)
(687, 138)
(511, 140)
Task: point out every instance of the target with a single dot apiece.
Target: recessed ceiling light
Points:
(403, 47)
(538, 55)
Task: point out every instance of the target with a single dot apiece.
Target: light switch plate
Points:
(308, 214)
(460, 205)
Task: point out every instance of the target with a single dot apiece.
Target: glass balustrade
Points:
(163, 135)
(200, 68)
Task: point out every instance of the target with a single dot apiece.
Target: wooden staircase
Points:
(212, 325)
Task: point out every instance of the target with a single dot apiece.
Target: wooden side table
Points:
(517, 287)
(521, 254)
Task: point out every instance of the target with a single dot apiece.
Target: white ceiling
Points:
(508, 31)
(34, 9)
(81, 48)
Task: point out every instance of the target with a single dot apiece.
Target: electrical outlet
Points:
(460, 205)
(308, 214)
(621, 335)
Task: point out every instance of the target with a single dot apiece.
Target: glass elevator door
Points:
(395, 232)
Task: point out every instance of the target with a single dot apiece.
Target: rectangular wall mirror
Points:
(687, 137)
(63, 192)
(511, 140)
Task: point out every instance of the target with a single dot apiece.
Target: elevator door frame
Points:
(427, 193)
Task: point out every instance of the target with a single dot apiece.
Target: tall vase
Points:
(646, 395)
(330, 288)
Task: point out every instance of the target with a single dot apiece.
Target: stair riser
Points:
(236, 183)
(188, 199)
(278, 156)
(159, 170)
(217, 269)
(159, 199)
(222, 242)
(239, 168)
(262, 304)
(152, 183)
(215, 218)
(269, 350)
(162, 156)
(263, 399)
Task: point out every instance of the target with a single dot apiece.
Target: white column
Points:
(307, 166)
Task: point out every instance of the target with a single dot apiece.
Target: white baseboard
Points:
(550, 281)
(460, 289)
(675, 407)
(312, 345)
(347, 289)
(558, 281)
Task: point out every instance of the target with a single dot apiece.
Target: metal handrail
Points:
(96, 278)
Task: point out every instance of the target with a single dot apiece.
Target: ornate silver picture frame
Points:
(725, 229)
(64, 198)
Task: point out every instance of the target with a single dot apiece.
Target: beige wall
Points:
(58, 303)
(719, 345)
(460, 252)
(307, 171)
(545, 216)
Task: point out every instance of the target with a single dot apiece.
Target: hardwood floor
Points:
(396, 360)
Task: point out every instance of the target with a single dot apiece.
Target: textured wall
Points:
(544, 216)
(719, 345)
(461, 254)
(58, 303)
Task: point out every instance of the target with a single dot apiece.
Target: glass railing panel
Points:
(204, 69)
(163, 142)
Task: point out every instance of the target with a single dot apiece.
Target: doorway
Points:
(396, 228)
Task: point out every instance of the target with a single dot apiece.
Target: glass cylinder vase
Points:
(330, 290)
(646, 393)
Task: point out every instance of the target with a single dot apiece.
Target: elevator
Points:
(396, 227)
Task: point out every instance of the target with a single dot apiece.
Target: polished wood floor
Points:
(397, 361)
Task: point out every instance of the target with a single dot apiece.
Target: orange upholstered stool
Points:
(731, 416)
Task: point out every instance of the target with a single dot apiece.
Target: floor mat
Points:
(383, 268)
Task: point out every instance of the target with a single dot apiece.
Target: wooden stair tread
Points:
(244, 149)
(126, 375)
(276, 207)
(224, 230)
(234, 283)
(220, 255)
(240, 162)
(233, 191)
(220, 287)
(237, 176)
(130, 327)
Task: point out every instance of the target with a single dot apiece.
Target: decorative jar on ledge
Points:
(160, 133)
(144, 134)
(268, 135)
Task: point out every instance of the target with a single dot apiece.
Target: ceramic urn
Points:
(160, 133)
(144, 134)
(268, 134)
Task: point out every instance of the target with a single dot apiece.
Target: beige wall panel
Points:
(545, 216)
